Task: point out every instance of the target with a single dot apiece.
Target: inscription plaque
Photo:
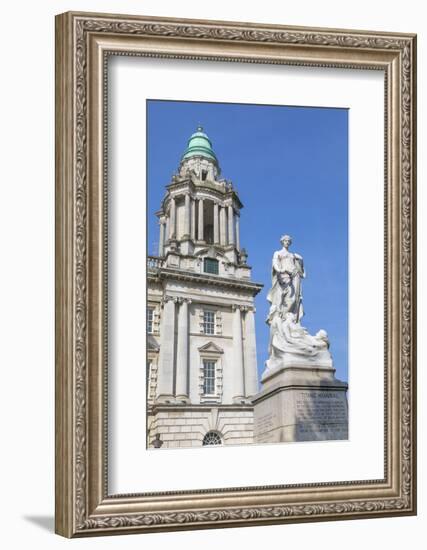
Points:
(309, 414)
(321, 415)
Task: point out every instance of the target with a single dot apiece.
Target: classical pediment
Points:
(210, 347)
(210, 252)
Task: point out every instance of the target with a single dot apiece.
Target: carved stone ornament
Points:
(83, 504)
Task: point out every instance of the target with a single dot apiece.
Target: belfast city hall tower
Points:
(201, 349)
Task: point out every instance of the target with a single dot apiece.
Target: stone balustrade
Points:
(154, 262)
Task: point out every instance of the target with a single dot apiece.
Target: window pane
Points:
(212, 438)
(208, 377)
(210, 266)
(150, 316)
(209, 322)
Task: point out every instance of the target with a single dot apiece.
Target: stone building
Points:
(201, 349)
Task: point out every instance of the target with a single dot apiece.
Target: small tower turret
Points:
(200, 214)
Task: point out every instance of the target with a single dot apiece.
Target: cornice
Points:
(164, 273)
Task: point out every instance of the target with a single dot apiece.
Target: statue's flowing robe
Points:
(288, 337)
(285, 293)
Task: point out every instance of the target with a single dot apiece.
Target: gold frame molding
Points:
(83, 43)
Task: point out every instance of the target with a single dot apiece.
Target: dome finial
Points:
(199, 127)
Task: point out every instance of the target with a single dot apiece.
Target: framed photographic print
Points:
(235, 274)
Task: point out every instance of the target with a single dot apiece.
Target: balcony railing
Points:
(154, 262)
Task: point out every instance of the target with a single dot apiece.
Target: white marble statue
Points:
(290, 343)
(287, 271)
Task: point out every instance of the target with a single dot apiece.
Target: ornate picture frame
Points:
(84, 42)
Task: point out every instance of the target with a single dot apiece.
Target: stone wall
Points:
(187, 427)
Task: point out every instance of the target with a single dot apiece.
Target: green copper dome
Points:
(199, 145)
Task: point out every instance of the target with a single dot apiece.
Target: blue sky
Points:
(290, 168)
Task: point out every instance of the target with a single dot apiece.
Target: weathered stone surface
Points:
(301, 404)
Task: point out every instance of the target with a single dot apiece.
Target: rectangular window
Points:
(210, 266)
(209, 322)
(208, 377)
(150, 317)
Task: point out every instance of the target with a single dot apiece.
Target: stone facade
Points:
(201, 349)
(187, 427)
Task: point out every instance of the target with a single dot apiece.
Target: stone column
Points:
(222, 226)
(193, 219)
(237, 217)
(238, 374)
(172, 221)
(187, 214)
(167, 233)
(250, 357)
(200, 232)
(166, 355)
(230, 225)
(182, 353)
(216, 223)
(162, 237)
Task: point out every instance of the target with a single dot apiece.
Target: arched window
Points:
(212, 438)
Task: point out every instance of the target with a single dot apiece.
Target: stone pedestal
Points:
(300, 402)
